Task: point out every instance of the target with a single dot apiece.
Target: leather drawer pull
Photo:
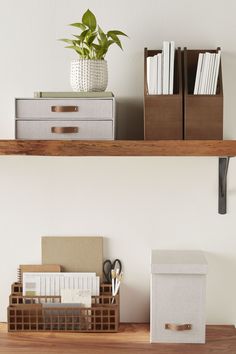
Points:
(175, 327)
(61, 109)
(64, 130)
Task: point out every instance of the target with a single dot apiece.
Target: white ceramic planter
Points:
(89, 75)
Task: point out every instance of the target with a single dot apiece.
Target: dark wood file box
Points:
(163, 114)
(203, 114)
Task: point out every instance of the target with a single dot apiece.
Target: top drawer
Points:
(64, 108)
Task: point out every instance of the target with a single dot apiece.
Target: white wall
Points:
(136, 203)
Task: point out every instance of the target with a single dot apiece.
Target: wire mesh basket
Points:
(46, 313)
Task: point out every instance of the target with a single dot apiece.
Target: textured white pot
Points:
(89, 75)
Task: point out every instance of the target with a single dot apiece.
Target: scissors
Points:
(108, 265)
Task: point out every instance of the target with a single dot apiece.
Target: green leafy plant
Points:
(92, 42)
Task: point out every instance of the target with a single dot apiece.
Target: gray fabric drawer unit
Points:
(178, 296)
(62, 119)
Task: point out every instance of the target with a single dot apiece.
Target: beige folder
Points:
(74, 254)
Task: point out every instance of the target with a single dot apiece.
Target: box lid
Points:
(178, 262)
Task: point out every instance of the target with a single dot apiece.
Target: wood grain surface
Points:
(119, 148)
(131, 339)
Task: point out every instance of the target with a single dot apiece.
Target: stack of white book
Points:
(160, 71)
(207, 73)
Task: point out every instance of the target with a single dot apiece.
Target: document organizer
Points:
(29, 313)
(203, 114)
(163, 114)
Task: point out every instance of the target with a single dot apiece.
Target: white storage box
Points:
(178, 296)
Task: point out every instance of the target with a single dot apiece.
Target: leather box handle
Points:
(63, 109)
(64, 130)
(180, 327)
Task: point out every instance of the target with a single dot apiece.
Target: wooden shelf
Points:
(131, 338)
(218, 148)
(224, 149)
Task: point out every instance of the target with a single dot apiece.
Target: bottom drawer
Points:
(178, 308)
(62, 130)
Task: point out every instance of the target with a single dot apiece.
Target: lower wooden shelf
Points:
(219, 148)
(131, 338)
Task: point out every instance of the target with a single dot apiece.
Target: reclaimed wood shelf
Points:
(223, 149)
(131, 338)
(217, 148)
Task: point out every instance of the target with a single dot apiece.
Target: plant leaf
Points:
(89, 20)
(102, 35)
(116, 39)
(100, 31)
(91, 38)
(83, 35)
(70, 41)
(77, 49)
(110, 42)
(86, 51)
(79, 25)
(116, 32)
(96, 46)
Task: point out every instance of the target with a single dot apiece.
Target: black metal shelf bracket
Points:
(223, 171)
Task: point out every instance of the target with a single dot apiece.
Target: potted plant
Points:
(89, 72)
